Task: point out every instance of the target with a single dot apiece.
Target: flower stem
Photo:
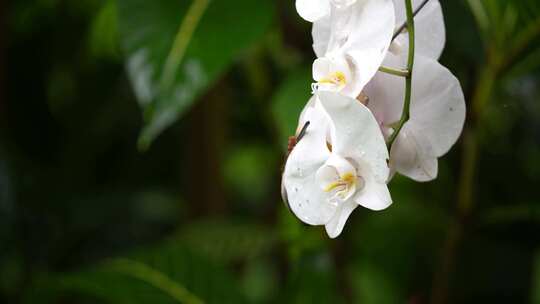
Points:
(402, 27)
(408, 79)
(395, 72)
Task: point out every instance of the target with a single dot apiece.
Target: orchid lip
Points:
(339, 179)
(345, 181)
(342, 188)
(335, 81)
(337, 78)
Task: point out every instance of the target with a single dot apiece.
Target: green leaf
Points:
(479, 13)
(290, 99)
(228, 241)
(165, 274)
(177, 49)
(103, 37)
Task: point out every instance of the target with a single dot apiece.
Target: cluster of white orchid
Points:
(368, 100)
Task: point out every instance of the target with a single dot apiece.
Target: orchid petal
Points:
(374, 196)
(308, 202)
(322, 67)
(335, 226)
(413, 156)
(365, 65)
(385, 93)
(333, 171)
(355, 133)
(313, 10)
(372, 193)
(429, 28)
(321, 32)
(334, 167)
(439, 107)
(370, 37)
(437, 111)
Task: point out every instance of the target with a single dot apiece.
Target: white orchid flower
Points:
(437, 112)
(350, 43)
(429, 23)
(340, 163)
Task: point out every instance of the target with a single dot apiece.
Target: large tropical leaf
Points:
(176, 49)
(165, 274)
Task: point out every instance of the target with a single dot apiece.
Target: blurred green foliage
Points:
(197, 218)
(177, 48)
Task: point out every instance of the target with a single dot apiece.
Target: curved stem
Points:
(408, 79)
(404, 25)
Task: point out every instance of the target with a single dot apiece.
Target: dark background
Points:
(88, 217)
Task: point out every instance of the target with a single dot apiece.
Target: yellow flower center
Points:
(337, 78)
(342, 185)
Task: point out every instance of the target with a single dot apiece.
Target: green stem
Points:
(408, 79)
(404, 25)
(395, 72)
